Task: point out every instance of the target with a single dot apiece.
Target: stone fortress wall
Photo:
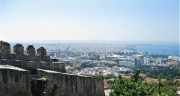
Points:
(50, 78)
(14, 81)
(29, 60)
(63, 84)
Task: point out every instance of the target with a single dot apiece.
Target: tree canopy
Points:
(131, 87)
(137, 87)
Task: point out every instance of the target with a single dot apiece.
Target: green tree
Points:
(135, 76)
(159, 84)
(148, 74)
(131, 87)
(168, 87)
(109, 76)
(169, 90)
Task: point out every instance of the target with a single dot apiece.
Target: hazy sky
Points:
(123, 20)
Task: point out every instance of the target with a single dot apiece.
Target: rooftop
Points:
(173, 63)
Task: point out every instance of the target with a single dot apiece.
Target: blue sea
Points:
(161, 48)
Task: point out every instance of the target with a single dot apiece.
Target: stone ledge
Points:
(11, 67)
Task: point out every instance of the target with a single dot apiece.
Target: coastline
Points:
(164, 49)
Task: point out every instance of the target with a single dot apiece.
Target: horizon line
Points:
(56, 41)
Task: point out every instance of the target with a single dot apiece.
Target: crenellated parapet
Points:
(5, 48)
(41, 52)
(40, 76)
(30, 50)
(30, 60)
(18, 52)
(19, 49)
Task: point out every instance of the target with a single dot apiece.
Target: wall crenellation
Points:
(30, 50)
(18, 53)
(31, 60)
(19, 49)
(35, 74)
(5, 48)
(41, 52)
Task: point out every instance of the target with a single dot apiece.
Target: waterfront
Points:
(161, 48)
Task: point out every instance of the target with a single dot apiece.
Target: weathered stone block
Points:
(30, 50)
(41, 52)
(19, 49)
(14, 81)
(5, 48)
(63, 84)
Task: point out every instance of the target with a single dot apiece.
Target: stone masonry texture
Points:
(63, 84)
(34, 74)
(14, 81)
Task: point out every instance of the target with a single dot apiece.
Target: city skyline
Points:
(117, 20)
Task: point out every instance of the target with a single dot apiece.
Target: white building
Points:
(177, 58)
(86, 54)
(146, 60)
(139, 62)
(170, 57)
(126, 63)
(102, 56)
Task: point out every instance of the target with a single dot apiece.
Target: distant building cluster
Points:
(104, 55)
(176, 58)
(101, 70)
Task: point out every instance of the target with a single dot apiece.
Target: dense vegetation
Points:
(131, 87)
(168, 87)
(136, 87)
(167, 73)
